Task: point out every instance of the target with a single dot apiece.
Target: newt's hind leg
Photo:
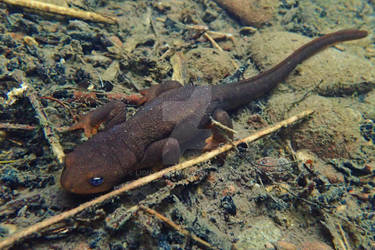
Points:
(111, 114)
(166, 152)
(153, 91)
(221, 128)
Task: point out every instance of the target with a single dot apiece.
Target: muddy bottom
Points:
(307, 186)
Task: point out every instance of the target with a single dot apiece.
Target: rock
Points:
(276, 169)
(98, 60)
(369, 101)
(209, 65)
(323, 168)
(262, 231)
(228, 204)
(314, 245)
(250, 12)
(333, 130)
(111, 72)
(327, 16)
(285, 245)
(116, 41)
(308, 245)
(330, 72)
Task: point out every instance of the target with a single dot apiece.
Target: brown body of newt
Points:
(173, 118)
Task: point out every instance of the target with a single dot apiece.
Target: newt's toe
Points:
(211, 144)
(84, 124)
(112, 113)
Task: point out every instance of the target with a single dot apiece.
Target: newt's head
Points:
(94, 167)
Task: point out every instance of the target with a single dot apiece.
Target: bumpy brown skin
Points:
(170, 121)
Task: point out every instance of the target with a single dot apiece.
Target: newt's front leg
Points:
(114, 112)
(111, 114)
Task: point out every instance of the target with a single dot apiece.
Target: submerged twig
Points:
(10, 240)
(222, 126)
(213, 42)
(7, 161)
(59, 102)
(217, 46)
(347, 245)
(16, 126)
(48, 130)
(178, 228)
(55, 9)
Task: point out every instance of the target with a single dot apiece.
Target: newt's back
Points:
(164, 125)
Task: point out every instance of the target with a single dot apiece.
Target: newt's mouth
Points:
(65, 181)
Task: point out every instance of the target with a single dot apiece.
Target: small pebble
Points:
(284, 245)
(314, 245)
(228, 204)
(250, 12)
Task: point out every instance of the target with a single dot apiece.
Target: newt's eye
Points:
(96, 181)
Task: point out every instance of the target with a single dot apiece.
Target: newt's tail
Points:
(242, 92)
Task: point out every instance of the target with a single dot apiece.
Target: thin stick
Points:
(214, 43)
(51, 8)
(10, 240)
(222, 126)
(347, 245)
(16, 126)
(48, 130)
(217, 35)
(59, 102)
(8, 161)
(217, 46)
(197, 27)
(176, 227)
(55, 100)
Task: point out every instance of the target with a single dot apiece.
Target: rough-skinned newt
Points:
(172, 119)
